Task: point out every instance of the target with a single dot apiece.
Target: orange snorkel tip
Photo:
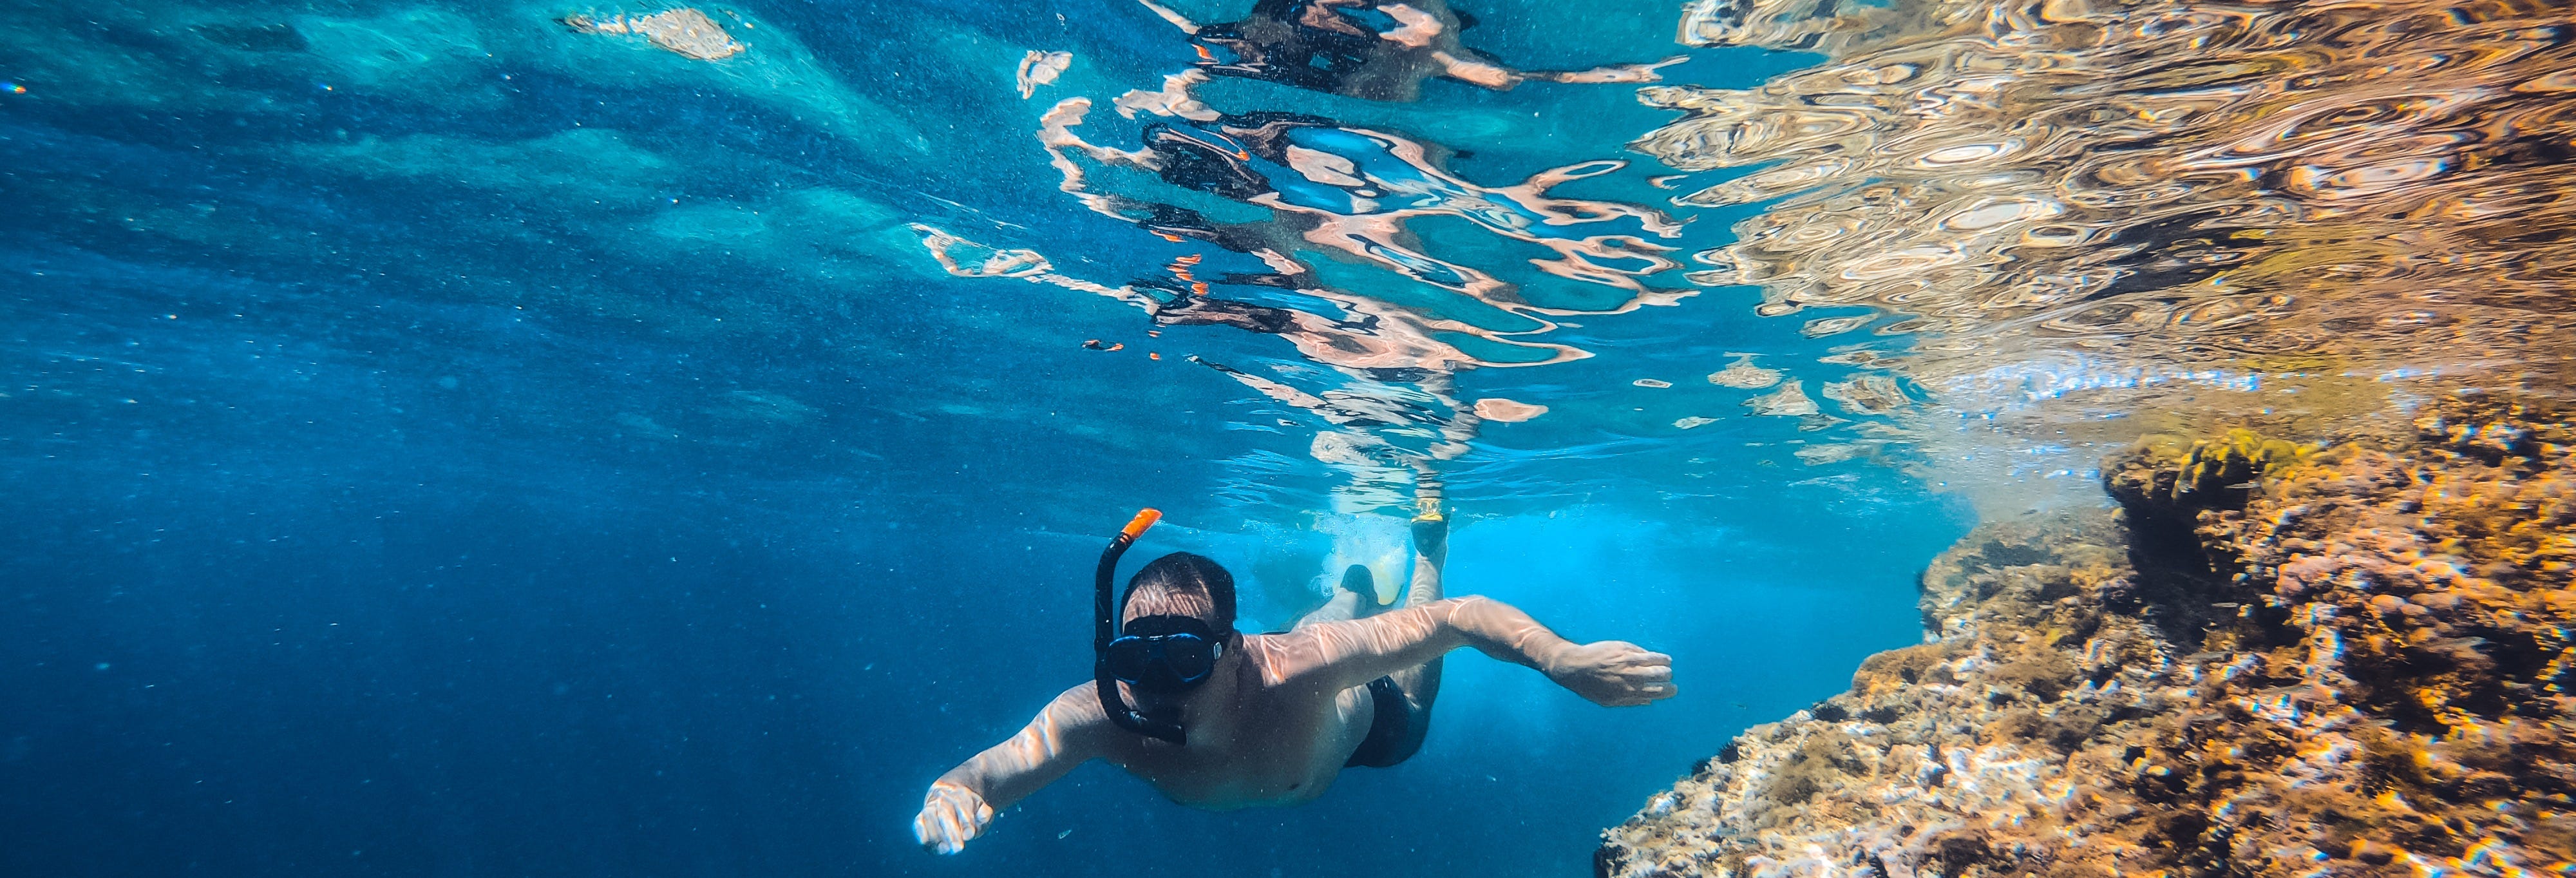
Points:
(1104, 609)
(1144, 520)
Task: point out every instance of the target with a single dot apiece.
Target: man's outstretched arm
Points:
(1339, 655)
(962, 802)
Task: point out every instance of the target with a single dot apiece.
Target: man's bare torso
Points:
(1279, 715)
(1266, 735)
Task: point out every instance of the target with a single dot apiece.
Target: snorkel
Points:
(1104, 606)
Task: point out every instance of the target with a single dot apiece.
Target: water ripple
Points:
(1266, 203)
(2158, 190)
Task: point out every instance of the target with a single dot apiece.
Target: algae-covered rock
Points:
(2167, 470)
(2274, 660)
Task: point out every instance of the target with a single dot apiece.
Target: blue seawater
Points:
(439, 440)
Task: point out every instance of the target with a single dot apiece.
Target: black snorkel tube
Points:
(1104, 611)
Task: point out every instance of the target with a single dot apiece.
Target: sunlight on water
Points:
(1273, 209)
(1308, 189)
(2252, 210)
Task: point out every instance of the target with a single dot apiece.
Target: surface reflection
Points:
(1278, 197)
(2068, 195)
(1364, 49)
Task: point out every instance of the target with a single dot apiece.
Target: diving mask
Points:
(1163, 653)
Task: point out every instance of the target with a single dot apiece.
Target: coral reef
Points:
(2271, 660)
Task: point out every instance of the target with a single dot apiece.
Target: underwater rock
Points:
(683, 31)
(2271, 660)
(2165, 475)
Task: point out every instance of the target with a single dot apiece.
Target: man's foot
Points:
(1430, 525)
(1358, 582)
(1427, 495)
(1430, 536)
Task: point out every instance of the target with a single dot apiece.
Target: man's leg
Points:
(1358, 591)
(1421, 684)
(1403, 699)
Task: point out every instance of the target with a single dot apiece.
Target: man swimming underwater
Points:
(1223, 720)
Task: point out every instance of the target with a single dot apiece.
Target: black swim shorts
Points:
(1391, 735)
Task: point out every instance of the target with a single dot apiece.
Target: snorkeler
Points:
(1218, 719)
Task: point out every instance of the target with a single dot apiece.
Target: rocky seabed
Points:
(2270, 659)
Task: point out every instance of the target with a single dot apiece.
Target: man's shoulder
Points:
(1080, 701)
(1285, 657)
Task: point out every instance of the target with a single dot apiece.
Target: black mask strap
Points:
(1104, 606)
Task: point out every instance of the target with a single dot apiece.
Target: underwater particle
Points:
(1041, 68)
(683, 31)
(1790, 401)
(1743, 375)
(1650, 382)
(1694, 421)
(1061, 835)
(1495, 408)
(1867, 394)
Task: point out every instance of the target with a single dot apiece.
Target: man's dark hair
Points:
(1182, 584)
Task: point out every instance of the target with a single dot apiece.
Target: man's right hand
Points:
(1612, 673)
(950, 815)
